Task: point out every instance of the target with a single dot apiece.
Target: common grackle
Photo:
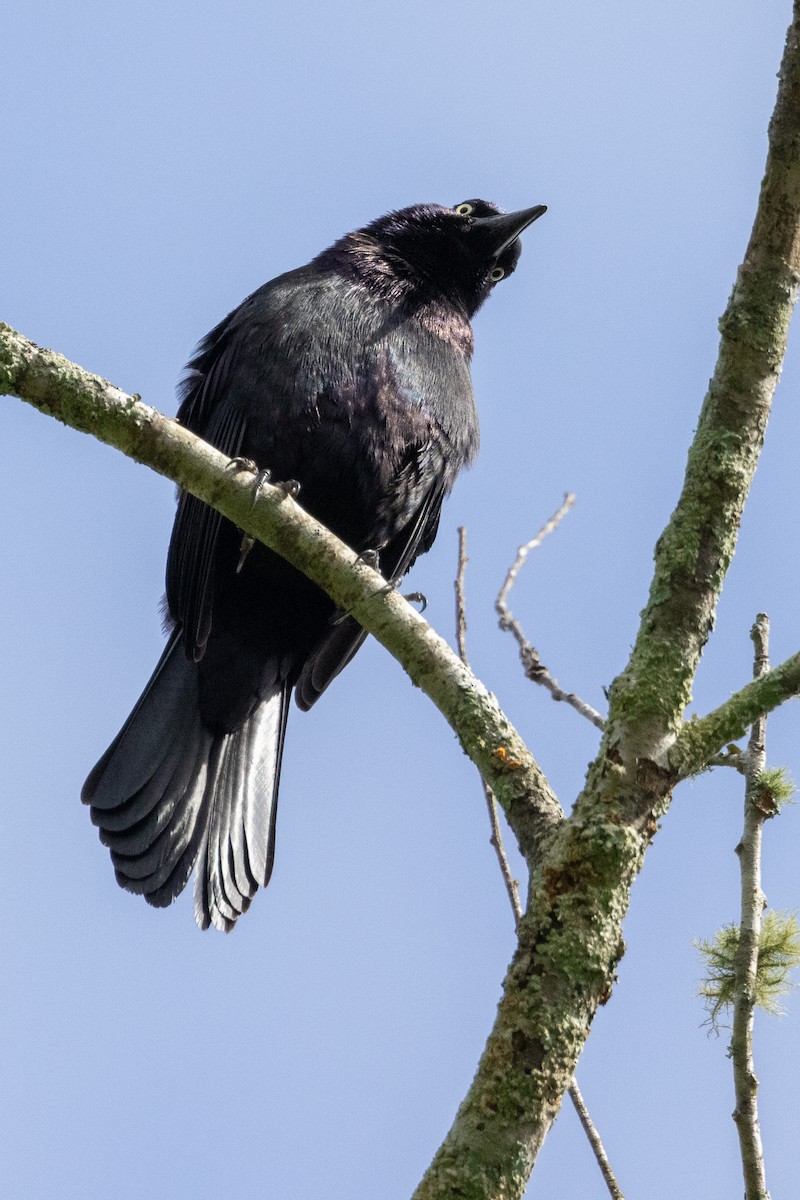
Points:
(351, 376)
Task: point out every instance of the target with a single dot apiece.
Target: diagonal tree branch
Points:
(695, 550)
(700, 740)
(90, 404)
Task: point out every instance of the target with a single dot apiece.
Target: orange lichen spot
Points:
(513, 764)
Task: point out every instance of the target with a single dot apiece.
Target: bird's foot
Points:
(289, 487)
(370, 558)
(262, 475)
(410, 597)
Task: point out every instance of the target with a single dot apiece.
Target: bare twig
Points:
(550, 525)
(496, 840)
(461, 608)
(730, 758)
(533, 666)
(753, 902)
(594, 1140)
(511, 885)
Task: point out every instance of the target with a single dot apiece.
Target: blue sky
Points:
(162, 160)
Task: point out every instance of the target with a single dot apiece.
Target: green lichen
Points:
(778, 956)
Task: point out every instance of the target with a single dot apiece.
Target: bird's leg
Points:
(240, 463)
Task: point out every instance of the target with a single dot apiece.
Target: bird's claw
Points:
(417, 598)
(290, 487)
(242, 464)
(370, 558)
(247, 545)
(262, 475)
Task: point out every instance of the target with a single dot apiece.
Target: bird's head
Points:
(428, 253)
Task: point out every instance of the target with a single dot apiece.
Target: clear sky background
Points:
(160, 161)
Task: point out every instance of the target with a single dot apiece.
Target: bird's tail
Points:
(170, 793)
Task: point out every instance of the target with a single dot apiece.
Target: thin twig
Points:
(511, 884)
(753, 903)
(549, 527)
(512, 887)
(533, 666)
(738, 760)
(461, 607)
(594, 1140)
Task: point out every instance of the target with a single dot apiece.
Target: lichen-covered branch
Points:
(695, 550)
(700, 740)
(496, 839)
(752, 906)
(92, 405)
(570, 937)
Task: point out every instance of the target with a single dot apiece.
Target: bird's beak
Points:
(502, 230)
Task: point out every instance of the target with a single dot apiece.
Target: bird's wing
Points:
(190, 575)
(431, 381)
(345, 636)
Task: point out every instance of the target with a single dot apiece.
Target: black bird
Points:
(351, 376)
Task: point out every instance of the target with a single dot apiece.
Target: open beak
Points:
(502, 230)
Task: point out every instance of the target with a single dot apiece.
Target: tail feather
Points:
(223, 895)
(151, 866)
(172, 690)
(133, 826)
(243, 795)
(170, 794)
(175, 882)
(260, 764)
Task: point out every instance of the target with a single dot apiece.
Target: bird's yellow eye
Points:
(497, 274)
(464, 210)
